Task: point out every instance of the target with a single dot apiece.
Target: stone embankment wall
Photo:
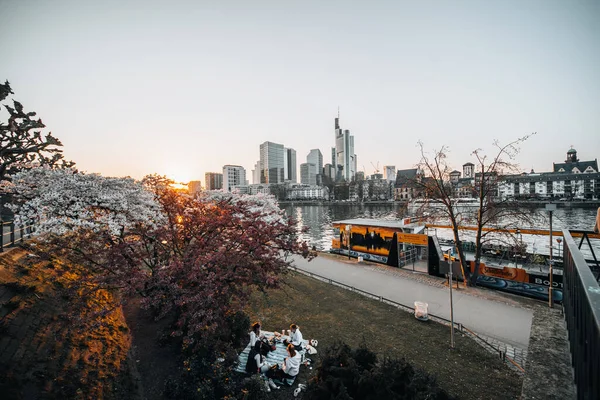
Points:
(548, 372)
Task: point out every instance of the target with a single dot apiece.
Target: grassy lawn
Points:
(329, 313)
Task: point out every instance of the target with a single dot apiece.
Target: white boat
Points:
(463, 202)
(466, 202)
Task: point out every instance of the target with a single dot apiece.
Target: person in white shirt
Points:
(255, 334)
(295, 337)
(286, 370)
(291, 364)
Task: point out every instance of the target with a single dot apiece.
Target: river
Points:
(318, 219)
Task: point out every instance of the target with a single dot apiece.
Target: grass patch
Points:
(329, 313)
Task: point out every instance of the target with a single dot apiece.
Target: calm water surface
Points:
(318, 219)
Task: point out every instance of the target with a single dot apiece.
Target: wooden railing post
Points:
(12, 233)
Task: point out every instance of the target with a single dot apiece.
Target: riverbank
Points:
(528, 203)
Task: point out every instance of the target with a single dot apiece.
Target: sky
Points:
(181, 88)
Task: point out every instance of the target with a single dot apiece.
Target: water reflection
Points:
(318, 221)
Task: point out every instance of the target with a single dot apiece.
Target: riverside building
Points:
(233, 175)
(569, 180)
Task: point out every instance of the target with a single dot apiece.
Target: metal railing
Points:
(593, 263)
(496, 349)
(12, 233)
(581, 303)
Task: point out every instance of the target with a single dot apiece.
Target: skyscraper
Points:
(213, 180)
(345, 159)
(233, 175)
(289, 161)
(271, 163)
(315, 158)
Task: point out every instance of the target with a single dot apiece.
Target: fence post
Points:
(12, 233)
(21, 229)
(1, 235)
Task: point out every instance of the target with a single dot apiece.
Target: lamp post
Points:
(451, 303)
(519, 242)
(559, 240)
(550, 208)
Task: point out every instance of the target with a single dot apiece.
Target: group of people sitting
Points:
(259, 348)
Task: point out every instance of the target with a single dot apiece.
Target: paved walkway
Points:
(497, 320)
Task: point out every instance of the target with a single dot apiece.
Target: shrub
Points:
(357, 374)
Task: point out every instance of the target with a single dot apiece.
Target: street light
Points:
(559, 240)
(451, 303)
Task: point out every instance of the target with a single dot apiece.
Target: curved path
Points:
(503, 322)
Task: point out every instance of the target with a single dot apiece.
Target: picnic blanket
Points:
(274, 357)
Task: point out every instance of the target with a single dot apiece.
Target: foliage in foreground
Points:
(345, 373)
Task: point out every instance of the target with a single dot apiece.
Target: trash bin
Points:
(421, 311)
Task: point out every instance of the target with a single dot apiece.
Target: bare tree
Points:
(435, 190)
(497, 218)
(494, 219)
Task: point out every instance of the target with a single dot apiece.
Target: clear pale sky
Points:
(183, 87)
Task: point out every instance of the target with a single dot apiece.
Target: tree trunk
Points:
(461, 254)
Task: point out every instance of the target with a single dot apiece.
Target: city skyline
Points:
(184, 90)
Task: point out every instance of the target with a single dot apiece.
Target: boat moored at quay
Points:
(407, 244)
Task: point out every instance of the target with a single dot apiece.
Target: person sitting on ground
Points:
(287, 370)
(255, 334)
(295, 337)
(256, 361)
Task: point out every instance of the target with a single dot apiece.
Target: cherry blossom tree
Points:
(99, 225)
(222, 246)
(196, 258)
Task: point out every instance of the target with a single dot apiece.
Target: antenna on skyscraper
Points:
(339, 117)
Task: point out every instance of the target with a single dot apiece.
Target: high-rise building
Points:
(307, 174)
(256, 173)
(316, 158)
(271, 163)
(233, 175)
(345, 159)
(390, 172)
(289, 165)
(194, 187)
(329, 172)
(213, 181)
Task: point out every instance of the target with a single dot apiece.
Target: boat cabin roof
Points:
(381, 223)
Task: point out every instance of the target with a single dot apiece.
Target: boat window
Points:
(336, 231)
